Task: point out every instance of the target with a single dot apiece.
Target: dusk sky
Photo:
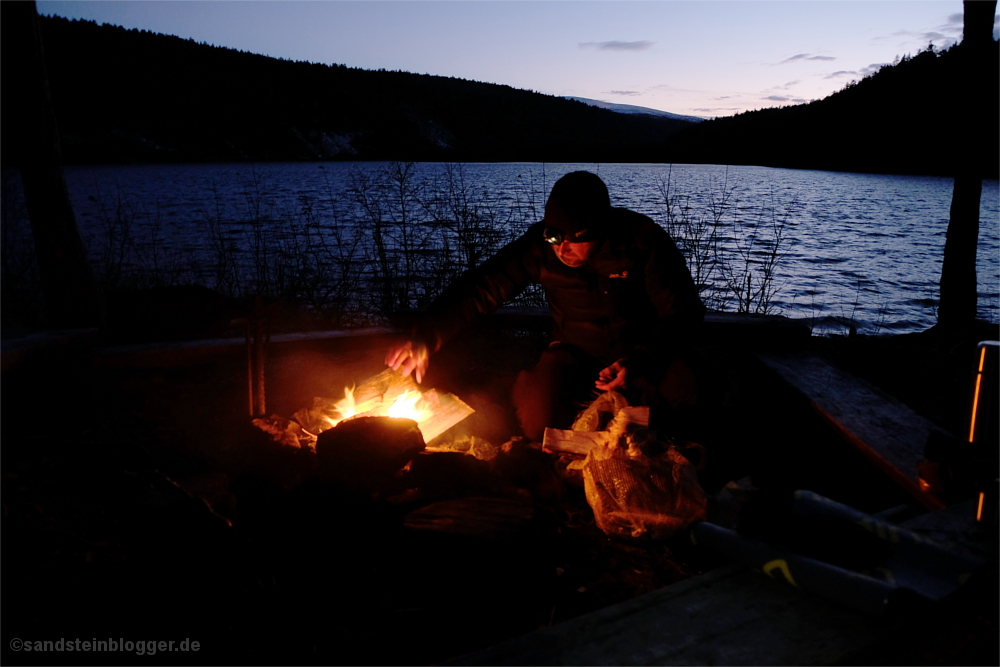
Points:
(695, 57)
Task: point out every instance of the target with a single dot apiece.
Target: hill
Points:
(633, 109)
(128, 95)
(901, 119)
(125, 96)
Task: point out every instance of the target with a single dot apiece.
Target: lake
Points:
(829, 247)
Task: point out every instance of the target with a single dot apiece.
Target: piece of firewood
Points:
(626, 420)
(448, 411)
(375, 396)
(574, 442)
(634, 415)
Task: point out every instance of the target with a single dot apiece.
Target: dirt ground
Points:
(141, 504)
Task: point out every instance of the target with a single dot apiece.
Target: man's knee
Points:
(680, 385)
(547, 395)
(530, 406)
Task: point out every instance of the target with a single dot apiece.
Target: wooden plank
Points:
(729, 616)
(881, 427)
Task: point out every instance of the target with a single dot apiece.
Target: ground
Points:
(106, 532)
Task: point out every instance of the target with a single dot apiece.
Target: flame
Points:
(410, 405)
(406, 405)
(346, 407)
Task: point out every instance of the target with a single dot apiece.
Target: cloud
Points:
(955, 25)
(616, 45)
(856, 74)
(933, 36)
(785, 99)
(944, 37)
(629, 93)
(805, 56)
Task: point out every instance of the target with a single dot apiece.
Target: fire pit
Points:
(387, 394)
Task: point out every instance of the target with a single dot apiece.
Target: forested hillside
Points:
(133, 96)
(901, 119)
(128, 95)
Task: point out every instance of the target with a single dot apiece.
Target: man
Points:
(623, 304)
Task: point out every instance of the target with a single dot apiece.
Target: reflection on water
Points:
(853, 246)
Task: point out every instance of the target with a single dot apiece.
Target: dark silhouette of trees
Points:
(901, 119)
(31, 142)
(959, 290)
(130, 95)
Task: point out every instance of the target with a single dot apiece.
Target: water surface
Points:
(850, 247)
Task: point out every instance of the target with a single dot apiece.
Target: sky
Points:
(703, 58)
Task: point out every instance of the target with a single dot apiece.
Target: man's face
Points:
(560, 227)
(574, 254)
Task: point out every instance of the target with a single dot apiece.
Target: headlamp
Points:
(552, 235)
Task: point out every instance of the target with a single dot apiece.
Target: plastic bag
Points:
(637, 495)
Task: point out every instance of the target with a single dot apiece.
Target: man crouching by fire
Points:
(625, 311)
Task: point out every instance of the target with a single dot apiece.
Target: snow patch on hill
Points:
(630, 108)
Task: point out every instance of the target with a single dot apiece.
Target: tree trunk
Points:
(68, 285)
(959, 289)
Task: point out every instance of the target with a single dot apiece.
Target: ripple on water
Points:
(889, 229)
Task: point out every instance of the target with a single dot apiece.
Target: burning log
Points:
(364, 452)
(387, 394)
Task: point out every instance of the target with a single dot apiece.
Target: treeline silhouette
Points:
(901, 119)
(125, 96)
(128, 95)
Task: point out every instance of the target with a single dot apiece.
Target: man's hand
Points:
(409, 357)
(611, 377)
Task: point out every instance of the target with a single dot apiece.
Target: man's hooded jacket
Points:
(632, 300)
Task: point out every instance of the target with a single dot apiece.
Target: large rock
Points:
(365, 452)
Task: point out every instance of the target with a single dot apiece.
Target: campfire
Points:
(637, 483)
(387, 394)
